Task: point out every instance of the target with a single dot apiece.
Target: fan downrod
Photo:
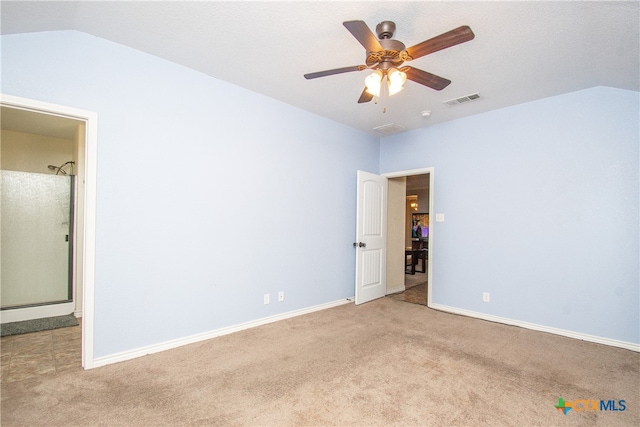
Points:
(385, 30)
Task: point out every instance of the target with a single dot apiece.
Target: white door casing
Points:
(371, 237)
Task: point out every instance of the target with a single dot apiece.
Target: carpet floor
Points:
(381, 363)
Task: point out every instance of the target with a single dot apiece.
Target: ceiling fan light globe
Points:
(373, 82)
(396, 79)
(393, 89)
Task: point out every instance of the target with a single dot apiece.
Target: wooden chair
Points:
(419, 251)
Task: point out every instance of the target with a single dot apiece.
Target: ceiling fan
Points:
(386, 56)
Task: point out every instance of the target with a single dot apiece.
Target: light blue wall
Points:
(208, 195)
(541, 205)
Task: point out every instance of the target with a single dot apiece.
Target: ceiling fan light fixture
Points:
(396, 79)
(373, 82)
(383, 53)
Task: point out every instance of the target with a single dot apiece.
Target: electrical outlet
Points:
(281, 296)
(266, 298)
(486, 297)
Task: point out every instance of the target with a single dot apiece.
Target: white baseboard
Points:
(536, 327)
(143, 351)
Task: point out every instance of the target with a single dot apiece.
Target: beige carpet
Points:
(382, 363)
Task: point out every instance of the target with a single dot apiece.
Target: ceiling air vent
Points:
(389, 128)
(462, 100)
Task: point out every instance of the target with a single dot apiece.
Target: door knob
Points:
(362, 245)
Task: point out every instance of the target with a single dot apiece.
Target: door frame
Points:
(431, 172)
(88, 252)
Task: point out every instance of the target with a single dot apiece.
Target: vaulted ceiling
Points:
(522, 51)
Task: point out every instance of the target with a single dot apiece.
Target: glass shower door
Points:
(36, 231)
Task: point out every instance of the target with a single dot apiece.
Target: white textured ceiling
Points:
(522, 50)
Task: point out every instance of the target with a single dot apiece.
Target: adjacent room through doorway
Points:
(409, 205)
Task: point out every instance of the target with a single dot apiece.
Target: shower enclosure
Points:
(37, 235)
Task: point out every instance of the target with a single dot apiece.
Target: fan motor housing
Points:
(392, 45)
(389, 57)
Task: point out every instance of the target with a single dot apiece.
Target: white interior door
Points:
(371, 237)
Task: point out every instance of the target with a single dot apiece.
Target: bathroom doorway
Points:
(32, 117)
(42, 161)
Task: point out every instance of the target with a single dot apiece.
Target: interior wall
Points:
(395, 234)
(79, 151)
(541, 204)
(423, 199)
(28, 152)
(208, 195)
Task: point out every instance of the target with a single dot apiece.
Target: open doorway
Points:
(409, 235)
(42, 230)
(42, 215)
(42, 141)
(416, 240)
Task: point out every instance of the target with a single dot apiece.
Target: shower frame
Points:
(70, 238)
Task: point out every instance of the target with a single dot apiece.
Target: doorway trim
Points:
(431, 172)
(91, 143)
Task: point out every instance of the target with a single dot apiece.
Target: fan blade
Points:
(365, 96)
(427, 79)
(334, 71)
(443, 41)
(363, 34)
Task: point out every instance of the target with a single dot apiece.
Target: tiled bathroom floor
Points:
(40, 353)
